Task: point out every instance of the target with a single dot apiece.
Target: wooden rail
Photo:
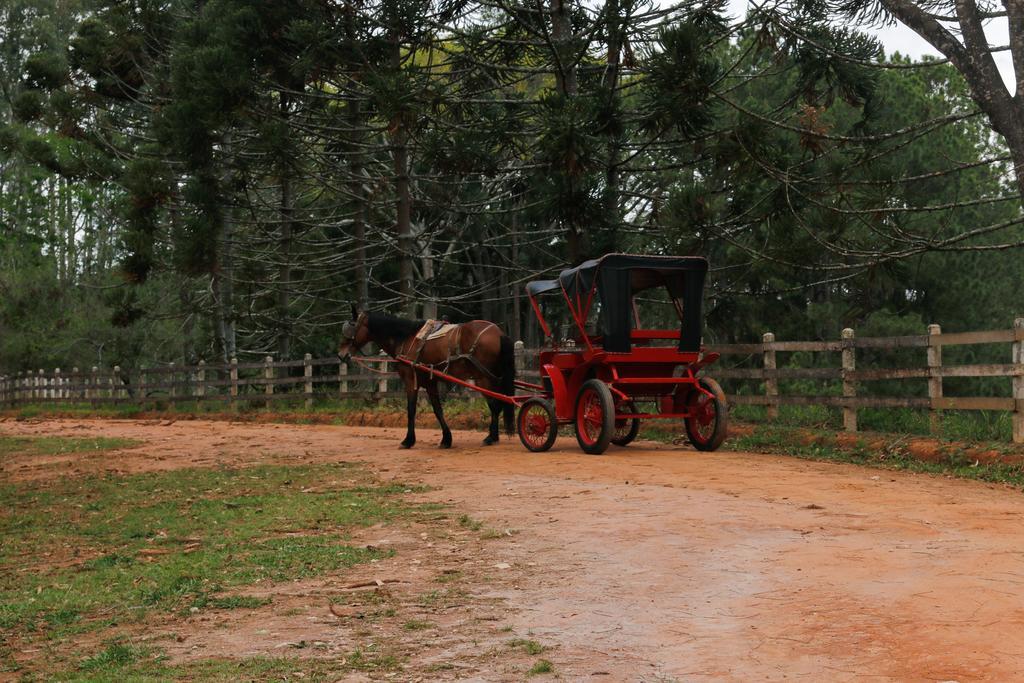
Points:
(931, 370)
(306, 379)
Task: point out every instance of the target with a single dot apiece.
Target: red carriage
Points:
(612, 373)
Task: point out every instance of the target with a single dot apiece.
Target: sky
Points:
(901, 39)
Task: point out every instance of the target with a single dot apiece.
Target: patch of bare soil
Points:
(432, 605)
(650, 563)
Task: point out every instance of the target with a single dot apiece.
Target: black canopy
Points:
(618, 277)
(540, 286)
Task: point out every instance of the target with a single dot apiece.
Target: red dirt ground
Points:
(658, 563)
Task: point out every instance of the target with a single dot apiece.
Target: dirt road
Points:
(657, 563)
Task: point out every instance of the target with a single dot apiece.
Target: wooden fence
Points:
(282, 380)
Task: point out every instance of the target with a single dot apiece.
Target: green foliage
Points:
(184, 181)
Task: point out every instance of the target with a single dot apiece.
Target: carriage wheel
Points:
(708, 425)
(626, 429)
(538, 426)
(595, 417)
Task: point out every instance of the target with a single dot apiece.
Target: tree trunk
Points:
(403, 193)
(517, 314)
(359, 216)
(284, 275)
(567, 86)
(613, 23)
(356, 174)
(223, 284)
(427, 268)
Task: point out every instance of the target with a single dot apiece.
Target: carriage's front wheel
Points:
(595, 417)
(708, 422)
(538, 426)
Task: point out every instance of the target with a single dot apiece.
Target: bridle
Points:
(350, 329)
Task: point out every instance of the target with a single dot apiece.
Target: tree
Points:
(957, 30)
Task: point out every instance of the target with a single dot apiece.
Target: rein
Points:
(366, 366)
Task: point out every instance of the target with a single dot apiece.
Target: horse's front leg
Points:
(435, 403)
(410, 409)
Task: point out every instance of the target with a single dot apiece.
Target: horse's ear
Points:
(355, 312)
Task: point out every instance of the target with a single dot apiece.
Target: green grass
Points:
(468, 522)
(530, 647)
(417, 625)
(121, 661)
(231, 602)
(95, 552)
(56, 445)
(890, 454)
(326, 408)
(117, 656)
(962, 425)
(542, 666)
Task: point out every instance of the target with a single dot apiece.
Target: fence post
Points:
(172, 390)
(94, 383)
(268, 374)
(41, 385)
(849, 386)
(771, 382)
(140, 392)
(307, 371)
(115, 383)
(520, 356)
(1018, 381)
(382, 385)
(201, 380)
(234, 379)
(58, 384)
(342, 382)
(934, 379)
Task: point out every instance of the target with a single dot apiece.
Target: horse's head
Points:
(355, 334)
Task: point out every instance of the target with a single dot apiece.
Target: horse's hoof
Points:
(406, 444)
(445, 444)
(489, 441)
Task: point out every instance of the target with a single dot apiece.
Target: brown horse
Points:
(476, 350)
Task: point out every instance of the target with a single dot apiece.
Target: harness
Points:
(453, 335)
(431, 330)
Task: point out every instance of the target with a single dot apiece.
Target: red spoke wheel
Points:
(595, 417)
(709, 420)
(538, 426)
(626, 429)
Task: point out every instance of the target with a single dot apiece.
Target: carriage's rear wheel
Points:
(537, 424)
(709, 420)
(595, 417)
(626, 429)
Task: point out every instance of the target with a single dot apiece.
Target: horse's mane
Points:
(386, 325)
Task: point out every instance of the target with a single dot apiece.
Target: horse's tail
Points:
(507, 372)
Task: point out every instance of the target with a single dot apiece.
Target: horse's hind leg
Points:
(492, 431)
(435, 403)
(410, 409)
